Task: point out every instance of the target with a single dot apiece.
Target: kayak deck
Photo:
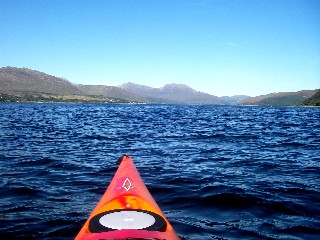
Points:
(127, 210)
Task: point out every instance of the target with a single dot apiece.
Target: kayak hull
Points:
(127, 210)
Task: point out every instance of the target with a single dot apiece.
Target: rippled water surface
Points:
(216, 172)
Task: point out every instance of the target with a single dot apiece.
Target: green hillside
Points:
(282, 101)
(279, 99)
(313, 101)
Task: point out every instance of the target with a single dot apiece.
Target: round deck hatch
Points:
(127, 219)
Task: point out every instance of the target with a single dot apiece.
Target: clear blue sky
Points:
(222, 47)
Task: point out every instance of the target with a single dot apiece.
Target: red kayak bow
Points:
(127, 210)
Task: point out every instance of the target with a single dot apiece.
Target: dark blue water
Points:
(216, 172)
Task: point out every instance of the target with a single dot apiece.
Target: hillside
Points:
(314, 100)
(173, 93)
(19, 81)
(22, 84)
(279, 99)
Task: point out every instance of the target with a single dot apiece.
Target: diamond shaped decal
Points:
(127, 184)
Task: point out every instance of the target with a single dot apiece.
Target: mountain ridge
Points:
(173, 93)
(23, 84)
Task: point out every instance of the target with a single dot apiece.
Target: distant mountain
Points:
(314, 100)
(173, 93)
(279, 99)
(234, 100)
(136, 88)
(111, 92)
